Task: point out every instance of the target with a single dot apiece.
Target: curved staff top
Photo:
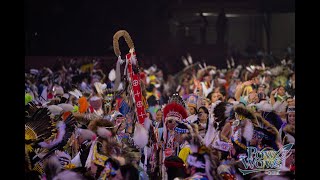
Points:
(133, 77)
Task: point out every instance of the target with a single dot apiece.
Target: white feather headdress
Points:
(112, 75)
(76, 93)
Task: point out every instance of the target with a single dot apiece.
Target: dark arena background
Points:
(198, 83)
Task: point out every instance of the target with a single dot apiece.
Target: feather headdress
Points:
(38, 125)
(76, 93)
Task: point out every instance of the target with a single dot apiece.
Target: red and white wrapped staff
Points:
(133, 76)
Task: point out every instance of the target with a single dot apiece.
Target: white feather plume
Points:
(98, 85)
(263, 66)
(229, 107)
(85, 134)
(148, 79)
(200, 66)
(54, 109)
(189, 59)
(210, 134)
(90, 155)
(276, 70)
(264, 106)
(76, 93)
(103, 132)
(248, 131)
(184, 60)
(147, 123)
(192, 118)
(146, 71)
(49, 70)
(205, 65)
(280, 106)
(236, 73)
(34, 71)
(212, 72)
(140, 136)
(103, 86)
(232, 62)
(112, 75)
(76, 160)
(222, 81)
(133, 59)
(45, 78)
(66, 95)
(66, 107)
(153, 68)
(178, 88)
(228, 64)
(262, 80)
(249, 69)
(223, 71)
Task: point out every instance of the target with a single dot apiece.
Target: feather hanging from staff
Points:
(147, 123)
(140, 136)
(118, 74)
(134, 59)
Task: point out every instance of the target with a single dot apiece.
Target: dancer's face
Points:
(171, 122)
